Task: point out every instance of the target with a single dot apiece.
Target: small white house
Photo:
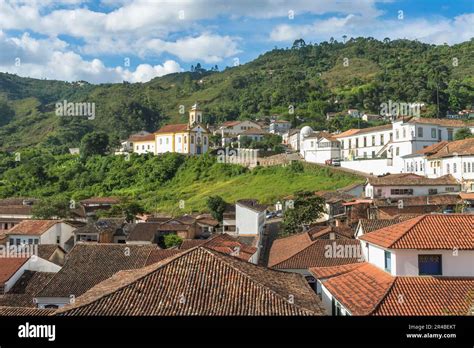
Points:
(249, 217)
(41, 232)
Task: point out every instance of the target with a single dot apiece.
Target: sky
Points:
(102, 41)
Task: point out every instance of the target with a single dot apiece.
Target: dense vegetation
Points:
(158, 183)
(310, 79)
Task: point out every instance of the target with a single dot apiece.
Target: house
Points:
(369, 225)
(403, 185)
(104, 230)
(455, 158)
(353, 113)
(249, 217)
(30, 232)
(379, 150)
(12, 268)
(299, 252)
(142, 142)
(252, 134)
(279, 126)
(168, 288)
(370, 117)
(87, 265)
(152, 232)
(226, 244)
(320, 147)
(432, 244)
(364, 289)
(333, 204)
(13, 211)
(420, 266)
(294, 139)
(228, 220)
(91, 205)
(22, 293)
(190, 138)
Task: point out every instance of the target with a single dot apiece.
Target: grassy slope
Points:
(268, 184)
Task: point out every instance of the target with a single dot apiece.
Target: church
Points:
(187, 138)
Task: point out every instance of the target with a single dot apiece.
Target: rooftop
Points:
(9, 266)
(33, 227)
(410, 179)
(299, 251)
(173, 128)
(196, 282)
(432, 231)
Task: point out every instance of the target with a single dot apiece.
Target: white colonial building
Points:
(455, 158)
(319, 147)
(379, 150)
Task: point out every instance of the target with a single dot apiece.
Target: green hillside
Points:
(362, 73)
(159, 183)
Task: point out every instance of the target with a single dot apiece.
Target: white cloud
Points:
(437, 31)
(49, 58)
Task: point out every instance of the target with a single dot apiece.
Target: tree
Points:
(59, 208)
(128, 210)
(216, 205)
(463, 133)
(307, 208)
(95, 143)
(171, 240)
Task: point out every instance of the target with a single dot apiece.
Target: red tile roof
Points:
(461, 147)
(467, 195)
(364, 289)
(442, 122)
(158, 255)
(199, 281)
(173, 128)
(410, 179)
(300, 252)
(226, 244)
(428, 296)
(24, 311)
(33, 227)
(361, 289)
(9, 266)
(434, 231)
(142, 137)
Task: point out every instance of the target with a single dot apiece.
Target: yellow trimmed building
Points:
(187, 138)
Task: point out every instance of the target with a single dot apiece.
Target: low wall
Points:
(377, 166)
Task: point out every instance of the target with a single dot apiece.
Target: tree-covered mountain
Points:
(312, 79)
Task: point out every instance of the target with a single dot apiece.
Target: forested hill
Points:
(331, 76)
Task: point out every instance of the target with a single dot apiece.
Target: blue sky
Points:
(137, 40)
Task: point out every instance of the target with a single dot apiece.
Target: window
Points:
(433, 133)
(192, 139)
(167, 141)
(465, 167)
(404, 133)
(397, 151)
(450, 134)
(398, 192)
(148, 147)
(420, 132)
(429, 265)
(416, 166)
(373, 140)
(30, 240)
(373, 154)
(469, 167)
(342, 144)
(432, 191)
(205, 140)
(336, 308)
(17, 241)
(311, 144)
(137, 147)
(179, 140)
(161, 141)
(365, 154)
(388, 261)
(455, 168)
(391, 135)
(421, 166)
(449, 189)
(58, 239)
(397, 134)
(357, 143)
(365, 141)
(447, 168)
(350, 143)
(381, 139)
(11, 241)
(36, 241)
(143, 147)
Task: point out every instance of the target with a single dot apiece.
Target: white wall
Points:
(460, 265)
(144, 147)
(248, 221)
(372, 191)
(326, 299)
(374, 166)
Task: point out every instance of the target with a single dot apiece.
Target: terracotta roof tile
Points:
(442, 122)
(158, 255)
(461, 147)
(428, 296)
(410, 179)
(22, 311)
(435, 231)
(300, 252)
(333, 271)
(33, 227)
(173, 128)
(9, 266)
(25, 289)
(88, 264)
(199, 282)
(361, 289)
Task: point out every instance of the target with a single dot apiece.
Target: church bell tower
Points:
(195, 115)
